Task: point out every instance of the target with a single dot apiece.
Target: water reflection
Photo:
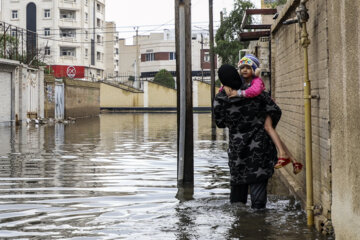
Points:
(114, 177)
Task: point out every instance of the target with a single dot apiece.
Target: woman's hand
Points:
(230, 92)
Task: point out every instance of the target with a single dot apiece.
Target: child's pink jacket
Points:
(256, 88)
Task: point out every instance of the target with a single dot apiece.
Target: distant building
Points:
(70, 33)
(111, 50)
(157, 51)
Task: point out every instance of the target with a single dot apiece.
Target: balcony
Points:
(70, 4)
(69, 23)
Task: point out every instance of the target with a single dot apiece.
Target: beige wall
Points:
(82, 99)
(288, 82)
(203, 94)
(344, 65)
(154, 96)
(112, 97)
(160, 96)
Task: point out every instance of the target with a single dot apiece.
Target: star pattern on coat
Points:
(233, 109)
(239, 135)
(260, 172)
(254, 144)
(216, 103)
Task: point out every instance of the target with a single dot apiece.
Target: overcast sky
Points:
(159, 14)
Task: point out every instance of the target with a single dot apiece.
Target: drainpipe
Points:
(302, 17)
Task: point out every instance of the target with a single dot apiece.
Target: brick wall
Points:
(287, 87)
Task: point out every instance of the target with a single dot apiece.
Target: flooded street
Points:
(114, 177)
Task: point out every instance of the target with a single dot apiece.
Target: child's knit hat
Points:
(251, 61)
(229, 76)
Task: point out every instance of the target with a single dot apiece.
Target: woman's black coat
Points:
(252, 153)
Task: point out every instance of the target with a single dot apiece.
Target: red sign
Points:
(60, 71)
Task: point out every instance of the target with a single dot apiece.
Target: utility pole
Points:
(137, 65)
(202, 57)
(185, 142)
(212, 65)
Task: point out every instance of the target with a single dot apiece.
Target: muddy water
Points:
(114, 177)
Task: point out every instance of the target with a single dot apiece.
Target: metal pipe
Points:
(305, 42)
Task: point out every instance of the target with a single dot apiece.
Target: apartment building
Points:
(157, 51)
(111, 50)
(70, 33)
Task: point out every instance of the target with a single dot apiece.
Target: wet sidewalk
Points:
(114, 177)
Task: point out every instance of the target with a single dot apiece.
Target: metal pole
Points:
(137, 77)
(212, 63)
(305, 42)
(185, 174)
(202, 57)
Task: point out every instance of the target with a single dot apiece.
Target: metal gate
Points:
(32, 95)
(5, 97)
(59, 100)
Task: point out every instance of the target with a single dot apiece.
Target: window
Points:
(98, 39)
(86, 52)
(149, 57)
(47, 31)
(47, 13)
(14, 14)
(86, 17)
(13, 32)
(98, 56)
(86, 34)
(98, 22)
(86, 2)
(117, 63)
(98, 7)
(116, 51)
(47, 50)
(172, 56)
(64, 51)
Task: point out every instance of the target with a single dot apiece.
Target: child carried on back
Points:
(249, 71)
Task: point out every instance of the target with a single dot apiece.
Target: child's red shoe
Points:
(297, 167)
(282, 162)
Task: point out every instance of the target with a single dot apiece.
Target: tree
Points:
(165, 78)
(10, 50)
(227, 40)
(276, 3)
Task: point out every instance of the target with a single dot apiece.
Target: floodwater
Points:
(114, 177)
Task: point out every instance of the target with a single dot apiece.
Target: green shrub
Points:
(165, 78)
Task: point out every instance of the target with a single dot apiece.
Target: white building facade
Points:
(70, 33)
(111, 50)
(157, 51)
